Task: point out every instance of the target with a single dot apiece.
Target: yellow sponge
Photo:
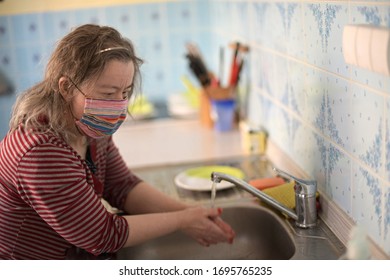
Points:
(284, 193)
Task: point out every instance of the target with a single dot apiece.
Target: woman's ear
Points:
(64, 87)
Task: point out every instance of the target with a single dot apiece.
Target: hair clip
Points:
(112, 48)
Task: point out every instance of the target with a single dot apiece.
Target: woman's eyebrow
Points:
(114, 87)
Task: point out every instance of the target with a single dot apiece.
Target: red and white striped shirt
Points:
(50, 200)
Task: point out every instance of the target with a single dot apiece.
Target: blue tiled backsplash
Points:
(332, 118)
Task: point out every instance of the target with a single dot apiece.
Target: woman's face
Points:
(115, 82)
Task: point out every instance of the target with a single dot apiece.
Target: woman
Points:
(58, 163)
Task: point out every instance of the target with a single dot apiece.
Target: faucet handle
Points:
(303, 187)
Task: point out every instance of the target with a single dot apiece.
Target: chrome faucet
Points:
(305, 214)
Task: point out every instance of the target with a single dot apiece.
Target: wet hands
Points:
(206, 226)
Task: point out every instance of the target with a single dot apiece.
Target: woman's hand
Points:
(206, 226)
(156, 214)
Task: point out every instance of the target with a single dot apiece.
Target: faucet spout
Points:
(218, 177)
(305, 214)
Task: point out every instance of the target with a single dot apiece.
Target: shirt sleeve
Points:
(52, 181)
(119, 180)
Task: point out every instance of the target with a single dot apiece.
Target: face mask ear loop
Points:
(75, 120)
(70, 107)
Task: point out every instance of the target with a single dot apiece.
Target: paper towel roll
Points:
(363, 44)
(349, 44)
(368, 47)
(380, 50)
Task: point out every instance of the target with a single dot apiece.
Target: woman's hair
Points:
(81, 55)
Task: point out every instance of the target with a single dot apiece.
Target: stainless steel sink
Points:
(260, 234)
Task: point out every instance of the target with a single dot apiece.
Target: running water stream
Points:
(213, 193)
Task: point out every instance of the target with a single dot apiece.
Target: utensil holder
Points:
(209, 94)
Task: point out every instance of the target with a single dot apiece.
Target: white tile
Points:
(274, 36)
(309, 151)
(295, 30)
(366, 126)
(279, 85)
(367, 199)
(386, 231)
(315, 98)
(339, 178)
(338, 109)
(387, 141)
(297, 88)
(323, 35)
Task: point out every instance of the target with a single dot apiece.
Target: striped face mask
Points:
(102, 117)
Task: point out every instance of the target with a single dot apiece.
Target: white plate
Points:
(193, 183)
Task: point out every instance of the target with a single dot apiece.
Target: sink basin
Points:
(260, 234)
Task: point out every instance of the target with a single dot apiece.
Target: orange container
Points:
(205, 110)
(264, 183)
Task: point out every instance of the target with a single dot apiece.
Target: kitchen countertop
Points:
(172, 141)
